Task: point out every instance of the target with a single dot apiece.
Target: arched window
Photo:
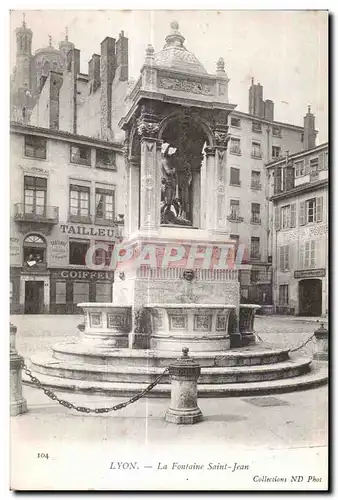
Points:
(34, 250)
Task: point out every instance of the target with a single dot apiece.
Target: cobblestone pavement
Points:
(37, 333)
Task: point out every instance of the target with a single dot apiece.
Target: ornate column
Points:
(150, 175)
(210, 188)
(221, 140)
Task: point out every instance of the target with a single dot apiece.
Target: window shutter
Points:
(277, 219)
(326, 161)
(302, 213)
(278, 180)
(307, 166)
(319, 209)
(321, 161)
(280, 257)
(293, 215)
(301, 256)
(286, 257)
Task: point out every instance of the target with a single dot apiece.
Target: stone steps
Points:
(316, 377)
(109, 372)
(78, 352)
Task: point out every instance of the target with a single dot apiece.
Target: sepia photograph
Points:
(169, 250)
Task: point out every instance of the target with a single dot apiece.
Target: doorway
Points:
(34, 297)
(310, 297)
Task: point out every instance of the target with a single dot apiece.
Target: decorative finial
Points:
(220, 64)
(121, 34)
(24, 20)
(174, 25)
(185, 351)
(309, 109)
(66, 35)
(252, 80)
(149, 50)
(50, 40)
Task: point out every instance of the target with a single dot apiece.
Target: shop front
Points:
(69, 287)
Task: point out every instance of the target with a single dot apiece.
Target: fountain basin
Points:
(106, 325)
(247, 314)
(200, 327)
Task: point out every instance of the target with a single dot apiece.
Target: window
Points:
(79, 201)
(77, 252)
(276, 132)
(254, 276)
(35, 190)
(283, 295)
(285, 217)
(256, 180)
(256, 127)
(299, 168)
(255, 247)
(103, 292)
(311, 211)
(234, 209)
(235, 146)
(104, 203)
(60, 292)
(34, 251)
(314, 163)
(284, 258)
(308, 254)
(35, 147)
(234, 177)
(80, 292)
(255, 213)
(235, 122)
(276, 152)
(105, 159)
(256, 150)
(80, 155)
(103, 255)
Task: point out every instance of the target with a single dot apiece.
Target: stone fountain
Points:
(176, 280)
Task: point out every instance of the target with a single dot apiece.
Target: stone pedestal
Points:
(247, 314)
(322, 344)
(183, 407)
(18, 404)
(201, 328)
(106, 325)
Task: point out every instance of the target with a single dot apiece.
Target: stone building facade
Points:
(66, 194)
(299, 232)
(93, 104)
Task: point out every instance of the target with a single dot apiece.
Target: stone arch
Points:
(179, 114)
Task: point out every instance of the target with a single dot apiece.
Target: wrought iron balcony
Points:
(84, 219)
(255, 256)
(256, 155)
(255, 219)
(314, 176)
(40, 214)
(256, 185)
(235, 150)
(36, 267)
(233, 217)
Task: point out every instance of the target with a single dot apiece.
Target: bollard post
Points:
(183, 407)
(322, 344)
(18, 404)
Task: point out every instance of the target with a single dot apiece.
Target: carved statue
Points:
(168, 187)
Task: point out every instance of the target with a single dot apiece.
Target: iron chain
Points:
(84, 409)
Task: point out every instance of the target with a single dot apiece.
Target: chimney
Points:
(256, 104)
(56, 81)
(94, 72)
(309, 130)
(269, 109)
(122, 57)
(75, 70)
(107, 74)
